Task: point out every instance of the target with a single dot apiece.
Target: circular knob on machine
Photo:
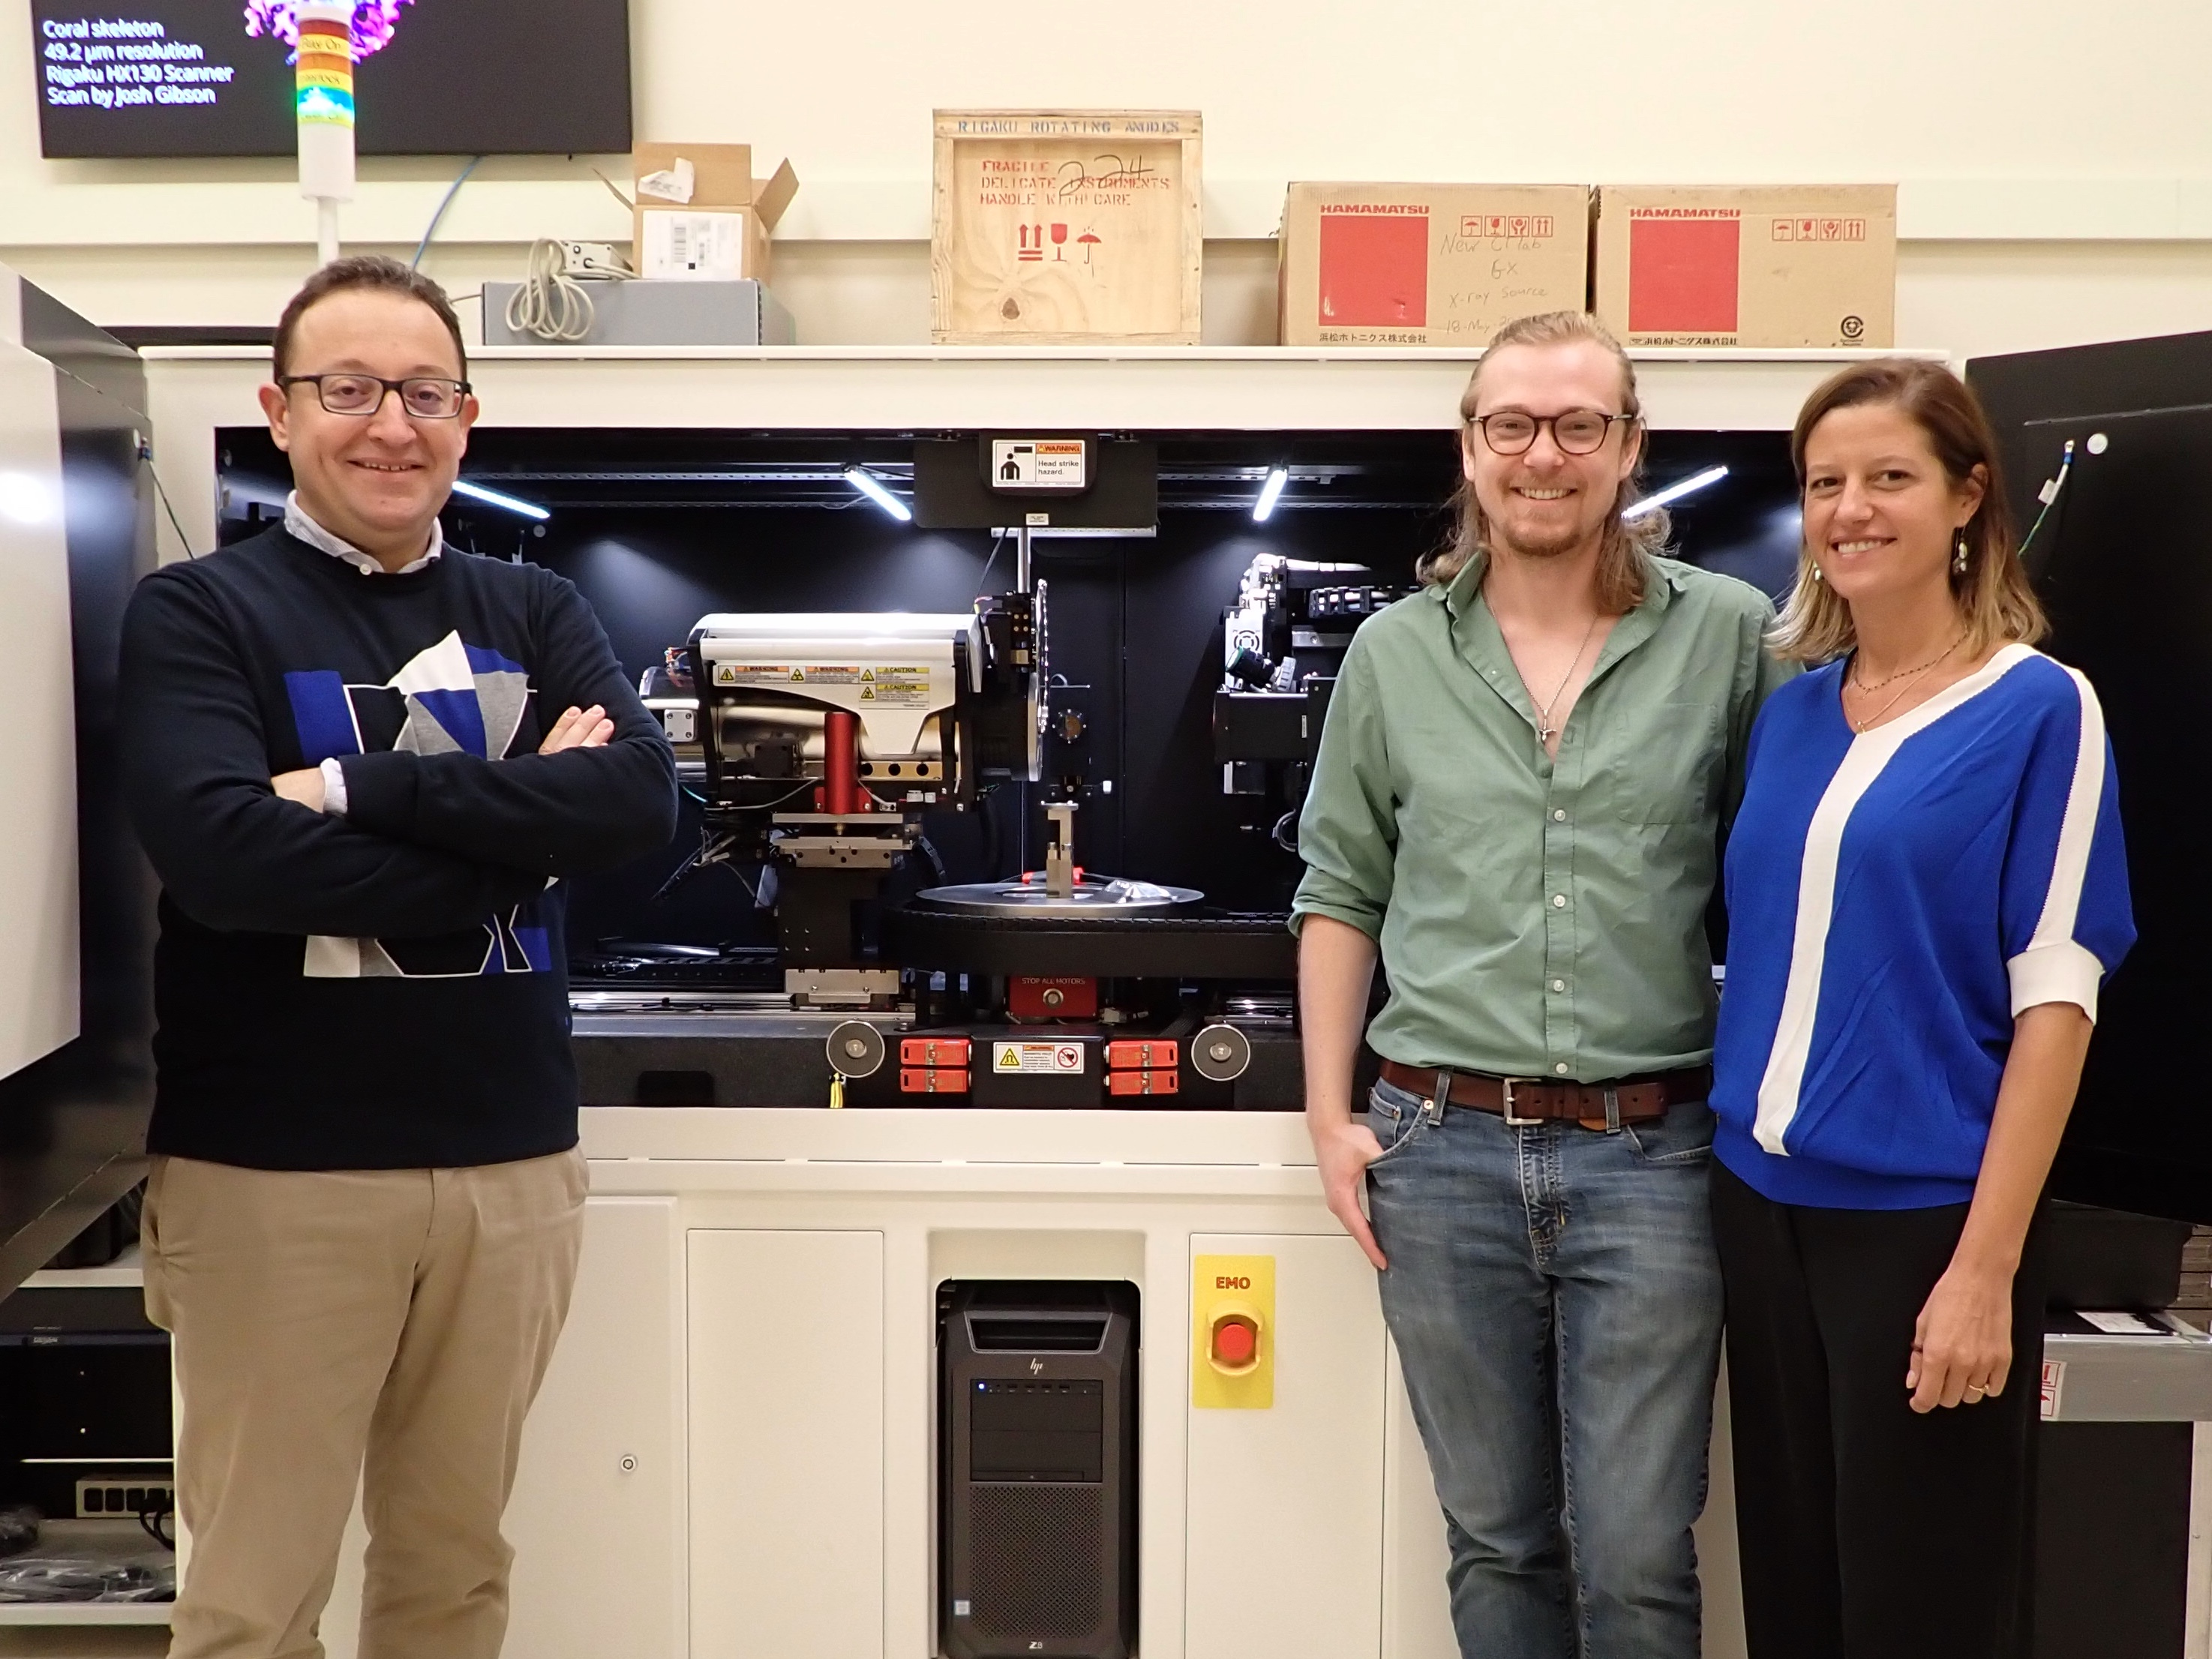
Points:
(1222, 1053)
(855, 1049)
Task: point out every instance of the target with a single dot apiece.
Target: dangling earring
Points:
(1816, 572)
(1958, 553)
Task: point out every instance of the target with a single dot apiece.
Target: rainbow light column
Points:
(324, 104)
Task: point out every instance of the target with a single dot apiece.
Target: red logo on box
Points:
(1375, 270)
(1682, 275)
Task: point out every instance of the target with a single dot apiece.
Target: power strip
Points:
(101, 1498)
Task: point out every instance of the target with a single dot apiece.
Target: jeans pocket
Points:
(1681, 1139)
(1395, 1117)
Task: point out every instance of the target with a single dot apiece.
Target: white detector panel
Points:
(38, 735)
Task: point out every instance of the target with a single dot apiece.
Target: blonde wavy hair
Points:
(1629, 544)
(1993, 596)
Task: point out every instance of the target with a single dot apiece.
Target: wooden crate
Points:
(1064, 227)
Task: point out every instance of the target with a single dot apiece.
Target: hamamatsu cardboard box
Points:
(1749, 266)
(1427, 265)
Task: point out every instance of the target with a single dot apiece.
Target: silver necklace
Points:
(1545, 730)
(1875, 719)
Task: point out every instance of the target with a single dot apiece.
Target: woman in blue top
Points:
(1926, 886)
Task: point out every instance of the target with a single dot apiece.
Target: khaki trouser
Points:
(385, 1326)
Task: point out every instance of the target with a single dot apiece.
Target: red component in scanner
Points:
(933, 1051)
(1144, 1083)
(841, 761)
(1140, 1054)
(932, 1081)
(1030, 997)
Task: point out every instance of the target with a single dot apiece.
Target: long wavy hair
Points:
(1993, 596)
(1629, 544)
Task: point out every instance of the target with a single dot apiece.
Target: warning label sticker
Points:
(906, 688)
(1029, 1058)
(899, 685)
(1038, 463)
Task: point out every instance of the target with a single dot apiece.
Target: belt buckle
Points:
(1505, 1099)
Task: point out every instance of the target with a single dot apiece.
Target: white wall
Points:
(2055, 170)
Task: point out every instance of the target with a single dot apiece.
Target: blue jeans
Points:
(1556, 1304)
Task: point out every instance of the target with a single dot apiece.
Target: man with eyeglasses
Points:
(1523, 782)
(361, 761)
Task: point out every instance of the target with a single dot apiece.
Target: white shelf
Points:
(96, 1539)
(127, 1271)
(51, 1614)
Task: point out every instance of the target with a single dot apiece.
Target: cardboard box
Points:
(1065, 226)
(1427, 265)
(699, 215)
(1749, 266)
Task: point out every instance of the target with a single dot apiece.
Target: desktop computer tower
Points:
(1037, 1469)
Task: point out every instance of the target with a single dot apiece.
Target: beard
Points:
(1543, 544)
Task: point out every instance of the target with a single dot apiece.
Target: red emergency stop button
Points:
(1235, 1342)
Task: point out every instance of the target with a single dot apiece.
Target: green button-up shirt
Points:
(1538, 917)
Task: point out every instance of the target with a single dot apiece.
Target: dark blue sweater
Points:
(387, 989)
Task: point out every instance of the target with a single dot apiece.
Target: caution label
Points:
(901, 687)
(1059, 1059)
(1038, 463)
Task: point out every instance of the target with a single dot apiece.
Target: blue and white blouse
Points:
(1896, 897)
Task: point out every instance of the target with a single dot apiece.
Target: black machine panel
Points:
(2123, 561)
(1185, 774)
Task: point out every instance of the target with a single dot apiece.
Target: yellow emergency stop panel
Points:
(1232, 1341)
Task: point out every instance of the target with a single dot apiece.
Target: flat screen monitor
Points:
(435, 77)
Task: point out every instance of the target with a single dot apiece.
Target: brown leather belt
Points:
(1523, 1100)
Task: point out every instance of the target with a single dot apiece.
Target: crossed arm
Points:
(577, 728)
(430, 844)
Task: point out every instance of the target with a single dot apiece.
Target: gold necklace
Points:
(1545, 730)
(1875, 719)
(1858, 668)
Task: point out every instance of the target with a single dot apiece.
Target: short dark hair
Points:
(374, 272)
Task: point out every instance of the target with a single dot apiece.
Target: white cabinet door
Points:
(1285, 1506)
(597, 1516)
(599, 1566)
(1416, 1604)
(786, 1436)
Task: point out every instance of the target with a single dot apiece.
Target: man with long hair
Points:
(1524, 779)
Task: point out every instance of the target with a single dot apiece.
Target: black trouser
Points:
(1869, 1531)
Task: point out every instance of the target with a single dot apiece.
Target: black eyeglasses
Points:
(422, 396)
(1576, 431)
